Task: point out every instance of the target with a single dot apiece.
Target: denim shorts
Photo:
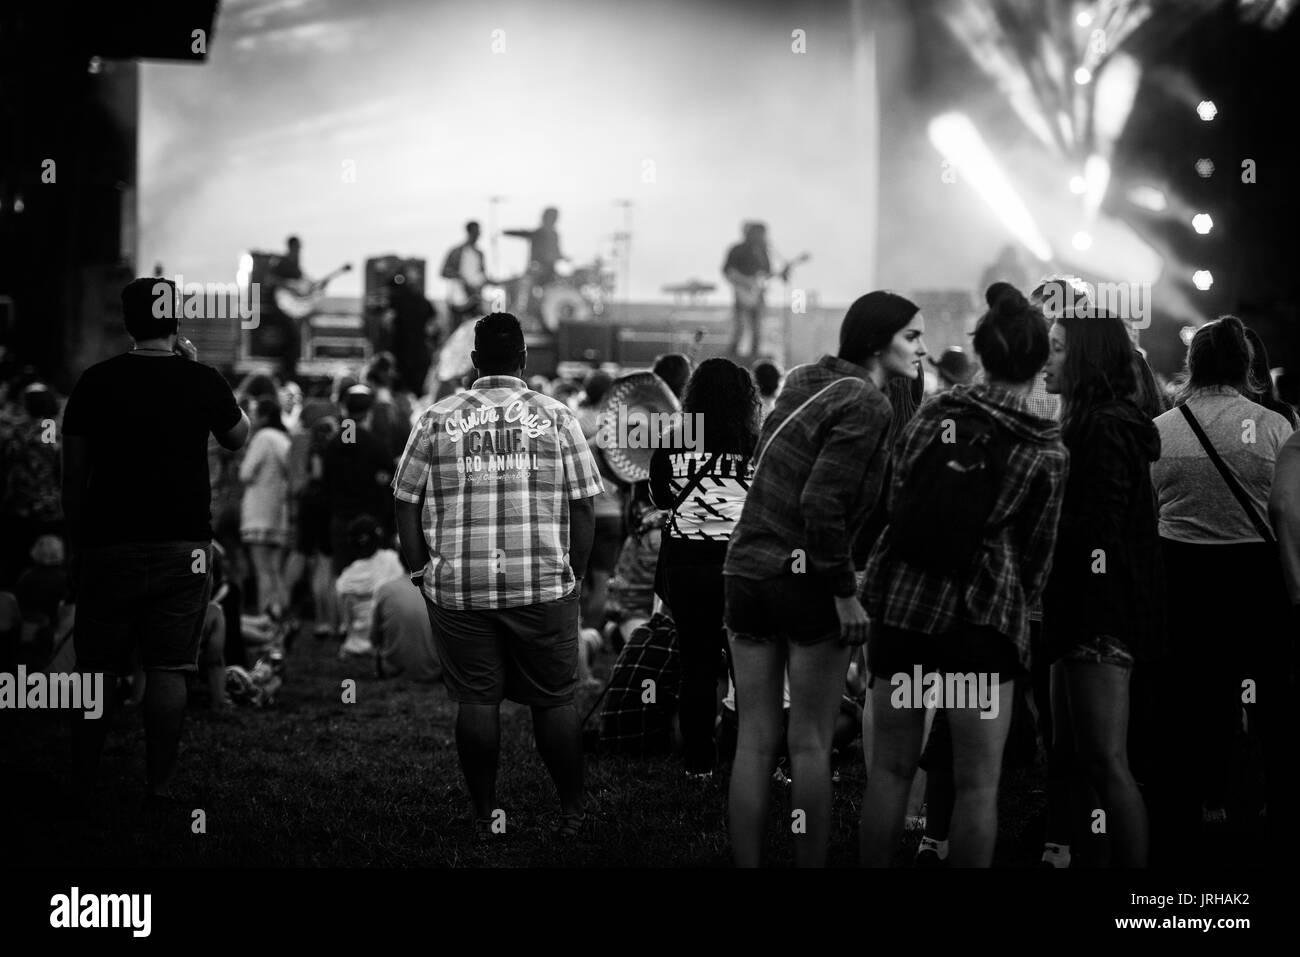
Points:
(796, 608)
(150, 596)
(1101, 650)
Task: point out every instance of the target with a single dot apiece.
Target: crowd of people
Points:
(1112, 557)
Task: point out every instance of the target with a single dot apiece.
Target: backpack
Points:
(641, 697)
(939, 517)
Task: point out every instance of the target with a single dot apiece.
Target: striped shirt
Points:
(496, 468)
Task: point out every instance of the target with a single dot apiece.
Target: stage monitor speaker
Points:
(639, 347)
(542, 358)
(591, 342)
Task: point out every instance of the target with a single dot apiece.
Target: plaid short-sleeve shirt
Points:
(496, 468)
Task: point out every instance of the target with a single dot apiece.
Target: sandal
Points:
(569, 826)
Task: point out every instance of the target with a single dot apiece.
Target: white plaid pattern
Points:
(496, 468)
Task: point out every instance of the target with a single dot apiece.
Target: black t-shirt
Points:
(747, 261)
(146, 419)
(357, 476)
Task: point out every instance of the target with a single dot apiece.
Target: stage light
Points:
(1078, 185)
(19, 205)
(1082, 241)
(957, 140)
(1186, 333)
(1202, 223)
(1205, 167)
(1096, 173)
(1206, 110)
(1083, 76)
(1084, 18)
(1202, 279)
(95, 65)
(1148, 197)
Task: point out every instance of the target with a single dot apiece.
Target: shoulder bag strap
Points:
(1233, 484)
(694, 482)
(758, 459)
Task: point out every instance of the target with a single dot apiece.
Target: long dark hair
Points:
(725, 395)
(269, 409)
(1260, 388)
(1149, 397)
(1098, 365)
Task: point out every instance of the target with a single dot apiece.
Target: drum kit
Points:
(575, 294)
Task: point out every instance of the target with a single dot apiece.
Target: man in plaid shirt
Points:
(494, 506)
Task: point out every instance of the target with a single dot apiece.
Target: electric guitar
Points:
(298, 298)
(749, 289)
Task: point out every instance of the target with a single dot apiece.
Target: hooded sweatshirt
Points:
(1015, 557)
(1108, 575)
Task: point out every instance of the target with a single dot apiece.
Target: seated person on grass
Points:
(357, 584)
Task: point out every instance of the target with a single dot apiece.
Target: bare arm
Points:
(234, 439)
(410, 533)
(582, 532)
(76, 472)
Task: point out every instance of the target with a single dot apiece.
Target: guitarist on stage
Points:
(286, 270)
(465, 269)
(747, 268)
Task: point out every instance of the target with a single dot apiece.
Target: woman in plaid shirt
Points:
(790, 600)
(976, 624)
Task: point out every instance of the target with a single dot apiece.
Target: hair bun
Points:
(1005, 298)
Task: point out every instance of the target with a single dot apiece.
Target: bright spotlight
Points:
(1186, 333)
(1202, 223)
(1083, 76)
(1205, 167)
(957, 140)
(1084, 18)
(1149, 198)
(1082, 241)
(1202, 279)
(1078, 185)
(1206, 110)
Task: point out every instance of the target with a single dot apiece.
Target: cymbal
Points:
(691, 287)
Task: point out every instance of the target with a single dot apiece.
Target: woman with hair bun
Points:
(1228, 607)
(958, 602)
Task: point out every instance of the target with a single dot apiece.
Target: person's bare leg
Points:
(326, 599)
(1099, 705)
(262, 559)
(164, 716)
(816, 685)
(977, 744)
(759, 677)
(896, 748)
(559, 742)
(478, 745)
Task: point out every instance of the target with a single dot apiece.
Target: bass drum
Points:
(563, 304)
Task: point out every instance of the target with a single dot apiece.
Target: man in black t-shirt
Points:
(136, 497)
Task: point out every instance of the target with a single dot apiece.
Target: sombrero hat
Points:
(633, 400)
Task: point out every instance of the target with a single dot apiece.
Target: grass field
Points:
(316, 782)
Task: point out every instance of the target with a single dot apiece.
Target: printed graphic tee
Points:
(496, 468)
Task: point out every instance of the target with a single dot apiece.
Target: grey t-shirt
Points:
(1195, 503)
(402, 635)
